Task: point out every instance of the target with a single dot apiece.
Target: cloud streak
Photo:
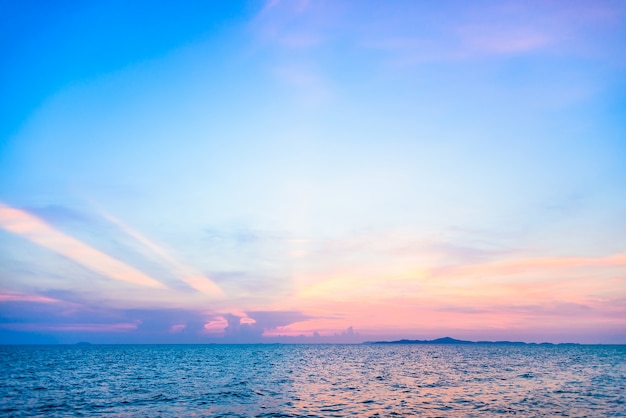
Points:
(23, 297)
(503, 268)
(35, 230)
(184, 273)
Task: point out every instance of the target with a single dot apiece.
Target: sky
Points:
(312, 171)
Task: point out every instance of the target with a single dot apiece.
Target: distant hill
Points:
(450, 341)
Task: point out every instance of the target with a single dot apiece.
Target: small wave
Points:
(314, 381)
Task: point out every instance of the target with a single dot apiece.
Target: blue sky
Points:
(312, 171)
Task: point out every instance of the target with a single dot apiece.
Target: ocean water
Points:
(312, 380)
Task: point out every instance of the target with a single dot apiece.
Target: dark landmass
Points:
(449, 341)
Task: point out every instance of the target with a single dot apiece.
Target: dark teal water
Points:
(312, 380)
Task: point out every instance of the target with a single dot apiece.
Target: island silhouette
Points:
(449, 340)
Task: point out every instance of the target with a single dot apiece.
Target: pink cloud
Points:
(532, 264)
(413, 317)
(177, 328)
(504, 43)
(216, 326)
(22, 297)
(380, 295)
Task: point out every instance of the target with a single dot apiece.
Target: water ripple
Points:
(322, 380)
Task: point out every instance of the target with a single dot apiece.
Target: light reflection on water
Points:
(313, 380)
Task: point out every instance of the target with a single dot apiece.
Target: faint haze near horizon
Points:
(312, 171)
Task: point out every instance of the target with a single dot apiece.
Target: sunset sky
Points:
(312, 171)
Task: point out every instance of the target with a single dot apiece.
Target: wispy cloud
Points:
(510, 267)
(35, 230)
(482, 288)
(306, 81)
(467, 41)
(413, 32)
(291, 24)
(501, 40)
(292, 32)
(102, 328)
(184, 273)
(24, 297)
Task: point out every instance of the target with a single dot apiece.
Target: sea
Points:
(268, 380)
